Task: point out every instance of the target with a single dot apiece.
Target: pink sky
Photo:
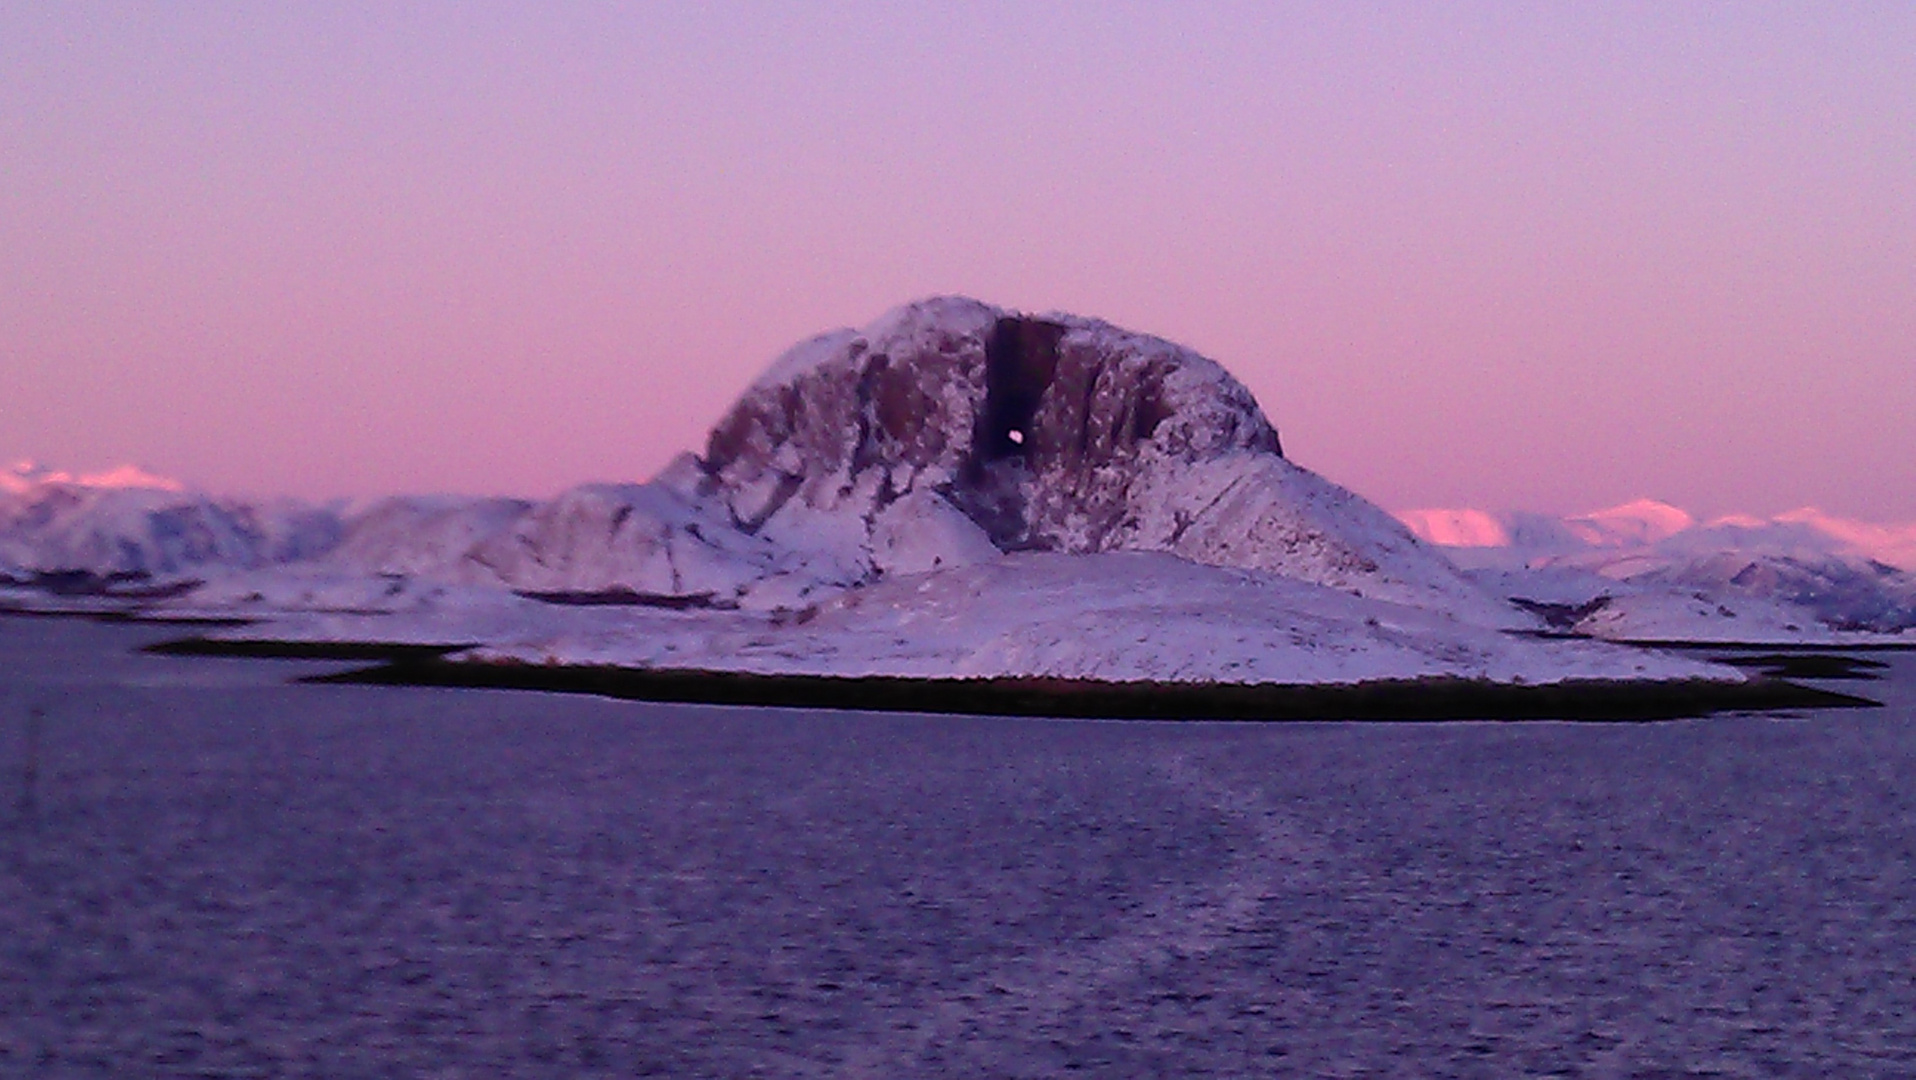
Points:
(1552, 256)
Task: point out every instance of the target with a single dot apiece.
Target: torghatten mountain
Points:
(956, 489)
(944, 434)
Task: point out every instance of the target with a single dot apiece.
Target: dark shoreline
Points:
(1431, 699)
(1695, 645)
(125, 615)
(1427, 699)
(382, 652)
(1759, 646)
(1399, 699)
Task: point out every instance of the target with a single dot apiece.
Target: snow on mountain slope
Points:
(643, 538)
(1650, 571)
(1839, 593)
(1811, 531)
(60, 527)
(1153, 616)
(1647, 522)
(1118, 617)
(1457, 528)
(422, 534)
(955, 489)
(1644, 521)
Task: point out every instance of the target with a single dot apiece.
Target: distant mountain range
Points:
(23, 477)
(1647, 522)
(1645, 570)
(1642, 568)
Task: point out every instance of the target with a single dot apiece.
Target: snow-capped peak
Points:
(1647, 522)
(1651, 570)
(26, 475)
(1456, 528)
(1644, 521)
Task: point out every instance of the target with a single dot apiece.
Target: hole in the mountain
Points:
(1021, 356)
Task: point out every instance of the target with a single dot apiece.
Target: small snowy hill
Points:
(1651, 571)
(420, 534)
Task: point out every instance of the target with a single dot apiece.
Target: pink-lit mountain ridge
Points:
(1647, 569)
(131, 525)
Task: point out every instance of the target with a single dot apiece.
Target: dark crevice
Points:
(1561, 616)
(865, 449)
(1087, 408)
(1021, 358)
(621, 596)
(1148, 413)
(788, 485)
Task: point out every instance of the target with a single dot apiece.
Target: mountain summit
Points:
(950, 431)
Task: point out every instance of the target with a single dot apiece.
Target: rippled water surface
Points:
(219, 874)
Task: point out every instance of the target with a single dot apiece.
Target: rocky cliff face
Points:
(1052, 433)
(1039, 429)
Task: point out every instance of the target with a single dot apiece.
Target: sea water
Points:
(217, 872)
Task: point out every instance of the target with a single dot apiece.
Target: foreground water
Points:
(218, 874)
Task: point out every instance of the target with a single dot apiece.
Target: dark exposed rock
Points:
(625, 598)
(1562, 616)
(1021, 360)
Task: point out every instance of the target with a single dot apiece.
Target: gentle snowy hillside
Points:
(421, 534)
(1114, 617)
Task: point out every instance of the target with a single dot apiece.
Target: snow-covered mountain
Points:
(954, 489)
(1647, 521)
(950, 428)
(421, 534)
(130, 524)
(1653, 571)
(943, 434)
